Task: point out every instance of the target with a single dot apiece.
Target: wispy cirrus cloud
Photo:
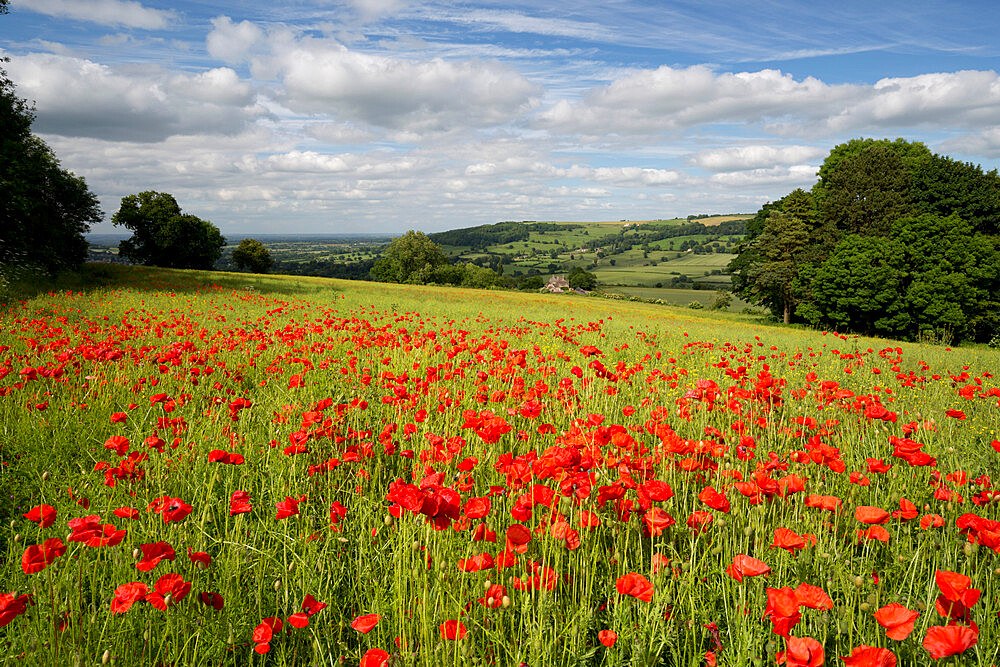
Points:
(105, 12)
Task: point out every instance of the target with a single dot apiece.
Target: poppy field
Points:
(207, 469)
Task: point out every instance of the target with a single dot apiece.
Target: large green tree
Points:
(164, 236)
(44, 209)
(772, 279)
(253, 256)
(930, 273)
(864, 193)
(411, 258)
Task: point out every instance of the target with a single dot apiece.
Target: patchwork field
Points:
(206, 468)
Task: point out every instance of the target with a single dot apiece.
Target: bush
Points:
(696, 305)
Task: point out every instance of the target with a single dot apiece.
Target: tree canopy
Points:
(411, 258)
(251, 255)
(44, 209)
(164, 236)
(898, 241)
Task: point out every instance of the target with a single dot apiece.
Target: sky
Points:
(379, 116)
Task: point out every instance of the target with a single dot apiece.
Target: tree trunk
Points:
(788, 312)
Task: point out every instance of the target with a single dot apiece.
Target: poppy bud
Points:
(968, 549)
(415, 546)
(136, 553)
(169, 599)
(106, 658)
(865, 606)
(387, 520)
(858, 582)
(487, 584)
(505, 601)
(277, 585)
(13, 523)
(45, 476)
(17, 538)
(291, 567)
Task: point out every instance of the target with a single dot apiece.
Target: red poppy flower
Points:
(364, 624)
(172, 509)
(168, 591)
(929, 521)
(907, 510)
(128, 594)
(92, 533)
(239, 503)
(493, 599)
(152, 554)
(657, 520)
(746, 566)
(943, 641)
(802, 652)
(954, 586)
(45, 515)
(298, 620)
(699, 521)
(788, 540)
(374, 657)
(12, 605)
(213, 600)
(199, 557)
(126, 513)
(897, 620)
(636, 585)
(813, 597)
(118, 443)
(714, 499)
(870, 656)
(873, 533)
(783, 610)
(288, 507)
(518, 535)
(264, 632)
(312, 606)
(453, 630)
(607, 637)
(37, 557)
(871, 515)
(829, 503)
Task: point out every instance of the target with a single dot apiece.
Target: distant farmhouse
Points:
(559, 285)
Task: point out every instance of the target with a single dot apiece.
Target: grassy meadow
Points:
(215, 469)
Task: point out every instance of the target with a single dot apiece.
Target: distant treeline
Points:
(620, 242)
(359, 270)
(496, 234)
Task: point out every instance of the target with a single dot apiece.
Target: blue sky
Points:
(315, 116)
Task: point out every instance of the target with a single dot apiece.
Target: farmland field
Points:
(206, 468)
